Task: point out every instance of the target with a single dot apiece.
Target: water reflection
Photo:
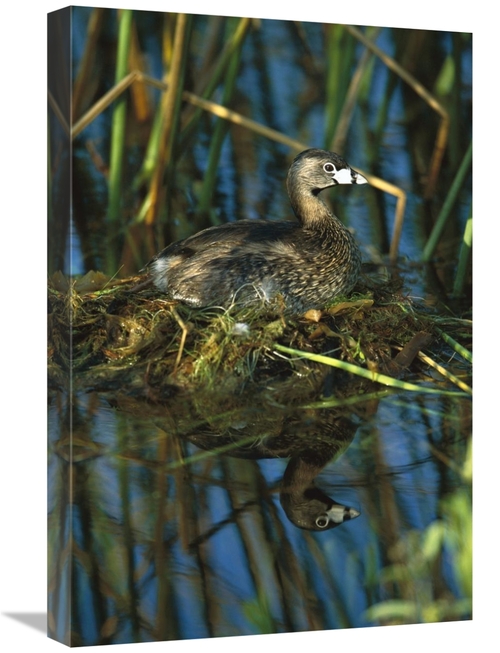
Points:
(271, 422)
(182, 517)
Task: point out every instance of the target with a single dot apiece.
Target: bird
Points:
(310, 440)
(305, 504)
(305, 263)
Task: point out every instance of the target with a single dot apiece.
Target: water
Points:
(207, 549)
(175, 523)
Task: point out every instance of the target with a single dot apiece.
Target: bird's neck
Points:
(300, 474)
(310, 209)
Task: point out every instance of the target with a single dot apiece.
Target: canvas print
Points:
(260, 317)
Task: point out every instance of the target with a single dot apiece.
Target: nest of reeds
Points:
(115, 337)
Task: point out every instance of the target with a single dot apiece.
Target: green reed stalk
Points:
(170, 107)
(383, 112)
(462, 351)
(447, 206)
(464, 257)
(176, 82)
(157, 163)
(219, 133)
(359, 81)
(232, 46)
(151, 155)
(364, 373)
(340, 48)
(118, 141)
(457, 137)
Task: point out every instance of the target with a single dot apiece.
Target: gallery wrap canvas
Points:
(266, 428)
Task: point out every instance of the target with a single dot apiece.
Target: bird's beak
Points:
(349, 176)
(339, 514)
(358, 179)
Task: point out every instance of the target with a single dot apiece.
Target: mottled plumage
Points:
(307, 262)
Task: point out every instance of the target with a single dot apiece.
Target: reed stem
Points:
(219, 134)
(230, 48)
(447, 206)
(464, 257)
(118, 125)
(364, 373)
(170, 113)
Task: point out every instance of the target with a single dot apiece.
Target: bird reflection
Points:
(310, 438)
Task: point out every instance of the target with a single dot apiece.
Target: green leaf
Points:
(393, 610)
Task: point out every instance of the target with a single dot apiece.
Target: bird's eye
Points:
(322, 521)
(329, 167)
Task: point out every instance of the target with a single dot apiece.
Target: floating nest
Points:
(114, 336)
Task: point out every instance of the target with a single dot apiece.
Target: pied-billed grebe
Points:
(307, 262)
